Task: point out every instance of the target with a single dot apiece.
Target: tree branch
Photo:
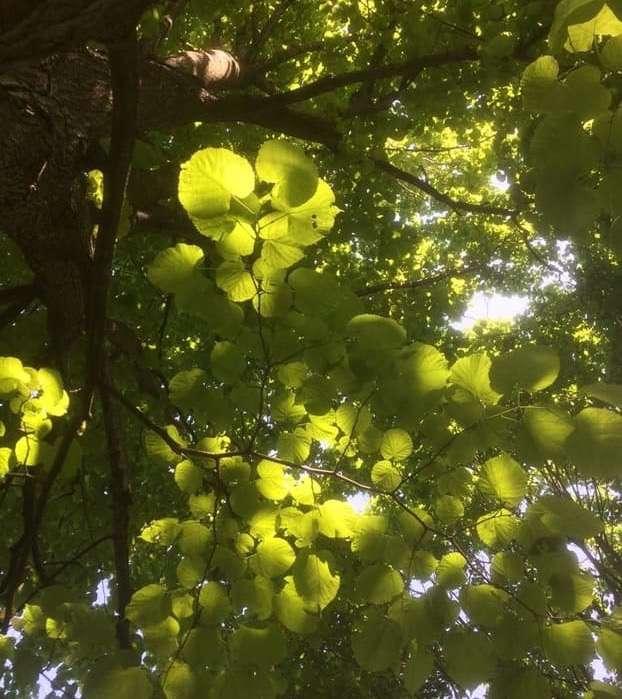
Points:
(424, 186)
(18, 294)
(66, 564)
(19, 553)
(59, 25)
(391, 70)
(272, 22)
(121, 501)
(162, 433)
(414, 284)
(123, 59)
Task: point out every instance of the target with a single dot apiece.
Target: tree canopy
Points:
(246, 447)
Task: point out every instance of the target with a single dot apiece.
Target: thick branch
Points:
(19, 552)
(123, 60)
(18, 294)
(391, 70)
(121, 500)
(59, 25)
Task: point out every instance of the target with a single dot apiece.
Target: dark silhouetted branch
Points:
(414, 284)
(440, 197)
(330, 83)
(121, 501)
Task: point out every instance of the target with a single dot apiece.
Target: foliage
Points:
(286, 373)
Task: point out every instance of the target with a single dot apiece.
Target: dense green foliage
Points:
(334, 491)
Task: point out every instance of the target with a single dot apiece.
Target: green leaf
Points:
(587, 97)
(485, 604)
(595, 447)
(548, 428)
(272, 482)
(472, 374)
(238, 241)
(176, 269)
(255, 595)
(600, 690)
(159, 450)
(517, 684)
(295, 176)
(448, 509)
(263, 646)
(578, 22)
(564, 517)
(396, 445)
(377, 643)
(234, 279)
(5, 461)
(161, 531)
(385, 476)
(149, 605)
(609, 647)
(423, 372)
(180, 681)
(504, 479)
(379, 584)
(243, 681)
(497, 528)
(336, 519)
(190, 571)
(294, 446)
(571, 592)
(194, 538)
(122, 683)
(306, 490)
(540, 88)
(281, 253)
(274, 557)
(606, 392)
(292, 611)
(531, 368)
(12, 374)
(450, 572)
(569, 643)
(611, 54)
(186, 388)
(508, 565)
(227, 361)
(203, 646)
(30, 451)
(314, 580)
(210, 179)
(419, 667)
(307, 223)
(413, 525)
(469, 658)
(188, 477)
(214, 602)
(376, 333)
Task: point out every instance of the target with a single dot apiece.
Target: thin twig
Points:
(167, 310)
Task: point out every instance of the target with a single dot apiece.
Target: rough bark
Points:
(54, 113)
(34, 29)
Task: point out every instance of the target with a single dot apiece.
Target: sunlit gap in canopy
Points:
(487, 306)
(494, 306)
